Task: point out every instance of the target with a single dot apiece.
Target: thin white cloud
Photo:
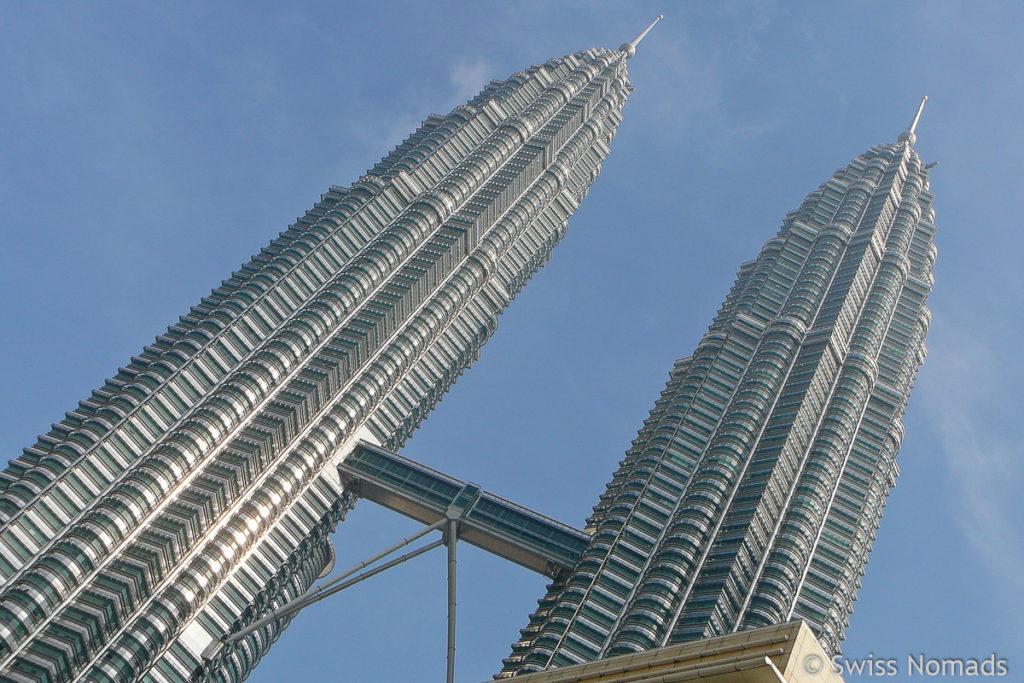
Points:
(387, 132)
(694, 79)
(467, 79)
(983, 456)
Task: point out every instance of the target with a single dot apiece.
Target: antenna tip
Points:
(630, 47)
(910, 135)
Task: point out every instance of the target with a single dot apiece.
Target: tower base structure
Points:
(782, 653)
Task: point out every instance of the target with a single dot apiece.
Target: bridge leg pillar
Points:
(453, 537)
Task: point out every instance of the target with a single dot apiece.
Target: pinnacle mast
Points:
(630, 47)
(917, 116)
(910, 136)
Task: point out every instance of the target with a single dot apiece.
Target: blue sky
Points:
(148, 149)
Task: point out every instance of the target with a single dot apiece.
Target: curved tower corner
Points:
(753, 491)
(195, 490)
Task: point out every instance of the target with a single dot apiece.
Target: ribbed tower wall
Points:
(754, 489)
(166, 511)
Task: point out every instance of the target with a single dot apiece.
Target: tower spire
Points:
(675, 554)
(630, 47)
(278, 499)
(910, 134)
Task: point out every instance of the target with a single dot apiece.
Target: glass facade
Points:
(195, 490)
(753, 491)
(487, 521)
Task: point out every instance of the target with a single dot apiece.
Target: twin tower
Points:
(194, 493)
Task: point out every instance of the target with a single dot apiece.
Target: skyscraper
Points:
(753, 491)
(196, 490)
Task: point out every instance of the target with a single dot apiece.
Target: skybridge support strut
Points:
(452, 539)
(336, 584)
(460, 510)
